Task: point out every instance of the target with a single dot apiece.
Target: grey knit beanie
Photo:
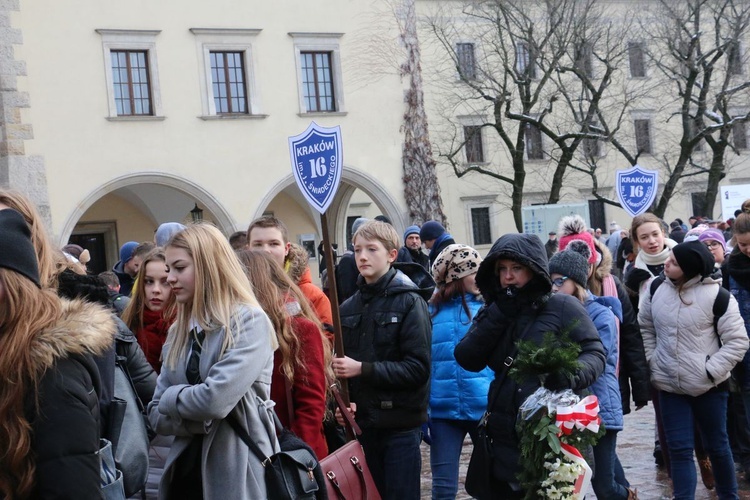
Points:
(571, 264)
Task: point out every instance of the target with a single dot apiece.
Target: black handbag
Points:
(128, 431)
(290, 473)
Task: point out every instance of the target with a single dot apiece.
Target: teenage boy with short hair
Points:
(387, 340)
(270, 235)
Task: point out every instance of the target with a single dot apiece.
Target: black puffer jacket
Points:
(65, 424)
(497, 327)
(386, 326)
(141, 372)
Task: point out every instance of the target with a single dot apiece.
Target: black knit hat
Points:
(16, 250)
(571, 264)
(694, 258)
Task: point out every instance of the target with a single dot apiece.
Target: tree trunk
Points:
(715, 175)
(557, 177)
(421, 187)
(671, 184)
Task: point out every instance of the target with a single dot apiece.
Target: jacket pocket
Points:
(387, 327)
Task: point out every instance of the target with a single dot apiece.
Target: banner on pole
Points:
(636, 189)
(316, 156)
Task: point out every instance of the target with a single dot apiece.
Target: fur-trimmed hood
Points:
(296, 262)
(605, 266)
(83, 328)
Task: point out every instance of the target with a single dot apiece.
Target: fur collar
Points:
(83, 328)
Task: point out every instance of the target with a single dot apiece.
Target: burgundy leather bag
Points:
(346, 472)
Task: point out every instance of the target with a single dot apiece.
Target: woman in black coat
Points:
(49, 435)
(516, 286)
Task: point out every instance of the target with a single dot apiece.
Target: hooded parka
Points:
(497, 328)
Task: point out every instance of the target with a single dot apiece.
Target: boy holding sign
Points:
(387, 340)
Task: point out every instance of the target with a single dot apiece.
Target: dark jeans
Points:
(709, 411)
(445, 454)
(609, 479)
(395, 461)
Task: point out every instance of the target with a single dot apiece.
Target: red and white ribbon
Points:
(583, 416)
(583, 481)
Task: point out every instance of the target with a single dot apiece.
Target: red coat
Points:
(308, 390)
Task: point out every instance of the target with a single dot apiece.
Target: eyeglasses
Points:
(558, 282)
(712, 244)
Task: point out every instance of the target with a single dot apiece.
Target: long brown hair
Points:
(26, 311)
(447, 293)
(51, 261)
(741, 223)
(133, 313)
(273, 288)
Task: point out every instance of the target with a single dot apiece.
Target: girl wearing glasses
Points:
(217, 364)
(515, 283)
(569, 271)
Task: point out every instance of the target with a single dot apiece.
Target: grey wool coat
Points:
(239, 382)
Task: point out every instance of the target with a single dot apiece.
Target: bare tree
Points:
(695, 50)
(543, 69)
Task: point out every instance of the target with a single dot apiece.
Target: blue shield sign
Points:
(317, 163)
(636, 188)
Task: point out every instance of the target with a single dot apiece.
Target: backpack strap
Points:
(655, 284)
(720, 307)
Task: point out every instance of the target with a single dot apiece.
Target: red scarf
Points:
(152, 336)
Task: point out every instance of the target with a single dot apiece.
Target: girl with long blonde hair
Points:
(151, 309)
(218, 362)
(302, 364)
(49, 415)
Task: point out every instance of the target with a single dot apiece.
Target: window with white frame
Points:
(734, 59)
(473, 144)
(227, 73)
(643, 141)
(739, 135)
(318, 62)
(534, 150)
(467, 64)
(584, 59)
(525, 60)
(131, 74)
(637, 59)
(479, 217)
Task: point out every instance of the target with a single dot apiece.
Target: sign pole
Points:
(338, 339)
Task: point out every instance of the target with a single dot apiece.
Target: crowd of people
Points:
(217, 332)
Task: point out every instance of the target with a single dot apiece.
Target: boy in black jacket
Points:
(387, 340)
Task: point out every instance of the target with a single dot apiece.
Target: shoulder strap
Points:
(655, 284)
(242, 433)
(507, 363)
(720, 306)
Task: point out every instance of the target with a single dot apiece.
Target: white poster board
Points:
(732, 198)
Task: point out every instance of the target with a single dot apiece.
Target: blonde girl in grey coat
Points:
(218, 359)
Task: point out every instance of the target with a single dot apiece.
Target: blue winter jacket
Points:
(602, 311)
(456, 394)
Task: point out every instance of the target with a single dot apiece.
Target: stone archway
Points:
(221, 216)
(351, 180)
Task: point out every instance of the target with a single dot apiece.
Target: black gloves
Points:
(557, 381)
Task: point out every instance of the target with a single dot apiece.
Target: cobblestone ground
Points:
(634, 447)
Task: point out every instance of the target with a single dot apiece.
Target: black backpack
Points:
(720, 304)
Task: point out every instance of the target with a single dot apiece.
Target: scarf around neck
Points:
(644, 260)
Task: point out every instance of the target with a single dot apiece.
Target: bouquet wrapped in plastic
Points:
(556, 428)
